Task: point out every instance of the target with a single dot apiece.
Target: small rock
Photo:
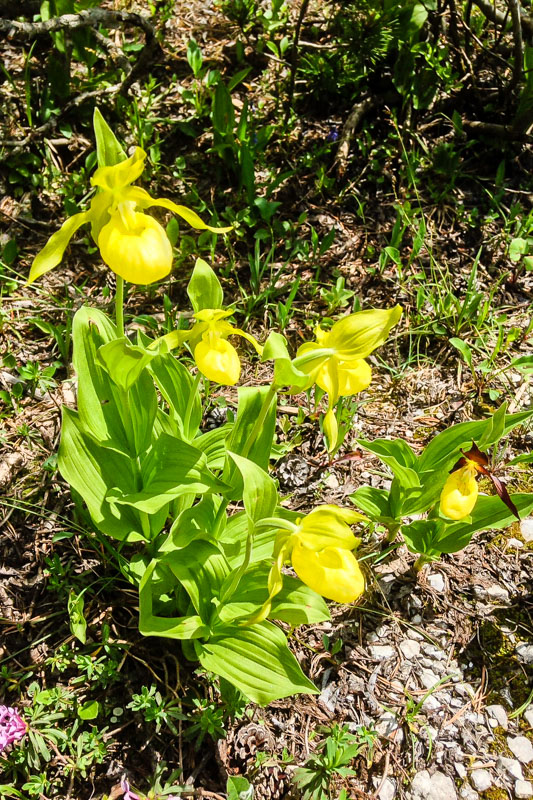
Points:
(382, 651)
(467, 793)
(436, 581)
(528, 716)
(433, 652)
(410, 648)
(389, 727)
(427, 678)
(465, 690)
(481, 779)
(328, 697)
(460, 768)
(499, 714)
(432, 787)
(521, 748)
(497, 592)
(431, 703)
(523, 789)
(510, 765)
(526, 529)
(516, 543)
(388, 790)
(416, 619)
(525, 653)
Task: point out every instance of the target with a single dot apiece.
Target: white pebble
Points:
(521, 748)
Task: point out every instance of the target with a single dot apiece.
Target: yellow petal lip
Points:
(460, 492)
(332, 572)
(142, 254)
(218, 360)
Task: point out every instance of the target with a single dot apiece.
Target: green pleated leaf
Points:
(489, 513)
(204, 288)
(260, 495)
(296, 603)
(257, 660)
(201, 569)
(108, 149)
(445, 447)
(91, 469)
(172, 468)
(186, 627)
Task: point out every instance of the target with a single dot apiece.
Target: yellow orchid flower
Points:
(132, 244)
(215, 357)
(459, 494)
(319, 546)
(343, 371)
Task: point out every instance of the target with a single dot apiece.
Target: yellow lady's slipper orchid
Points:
(132, 244)
(215, 357)
(320, 550)
(459, 495)
(343, 371)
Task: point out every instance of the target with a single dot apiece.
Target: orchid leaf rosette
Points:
(132, 243)
(340, 368)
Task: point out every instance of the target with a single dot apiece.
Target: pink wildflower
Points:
(128, 794)
(12, 727)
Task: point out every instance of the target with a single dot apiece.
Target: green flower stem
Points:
(271, 394)
(190, 404)
(420, 562)
(392, 533)
(119, 306)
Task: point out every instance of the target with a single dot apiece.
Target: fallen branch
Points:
(497, 16)
(85, 19)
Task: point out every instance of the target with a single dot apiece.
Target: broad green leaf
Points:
(295, 604)
(213, 444)
(489, 513)
(191, 523)
(257, 660)
(463, 348)
(495, 428)
(223, 114)
(187, 627)
(446, 446)
(523, 363)
(374, 502)
(108, 148)
(124, 361)
(250, 403)
(98, 397)
(175, 383)
(77, 622)
(201, 569)
(517, 248)
(91, 470)
(260, 496)
(204, 288)
(398, 456)
(171, 468)
(422, 536)
(285, 373)
(89, 710)
(239, 788)
(139, 411)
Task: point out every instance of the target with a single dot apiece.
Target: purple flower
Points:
(12, 727)
(128, 795)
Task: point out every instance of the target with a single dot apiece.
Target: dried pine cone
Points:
(293, 472)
